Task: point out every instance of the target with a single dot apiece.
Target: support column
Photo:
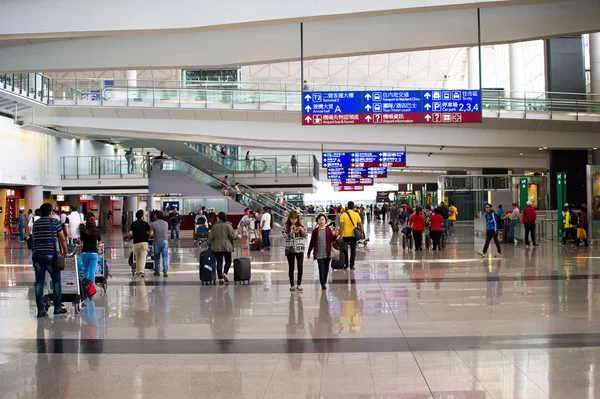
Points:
(473, 67)
(131, 205)
(34, 197)
(103, 211)
(131, 77)
(573, 163)
(595, 62)
(517, 77)
(595, 157)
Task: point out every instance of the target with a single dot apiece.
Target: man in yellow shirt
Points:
(452, 212)
(350, 220)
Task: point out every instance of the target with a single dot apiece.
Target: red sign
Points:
(349, 188)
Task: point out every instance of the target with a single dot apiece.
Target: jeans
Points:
(140, 253)
(570, 232)
(351, 241)
(489, 236)
(323, 270)
(174, 229)
(41, 265)
(220, 256)
(161, 250)
(418, 236)
(266, 240)
(89, 261)
(528, 230)
(512, 225)
(451, 228)
(436, 238)
(299, 257)
(130, 165)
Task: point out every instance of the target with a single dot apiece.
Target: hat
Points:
(528, 202)
(566, 204)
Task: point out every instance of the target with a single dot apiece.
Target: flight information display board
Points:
(348, 160)
(342, 174)
(349, 181)
(391, 107)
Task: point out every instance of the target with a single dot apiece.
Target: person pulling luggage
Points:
(220, 240)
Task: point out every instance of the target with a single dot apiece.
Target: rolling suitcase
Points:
(242, 270)
(341, 262)
(208, 267)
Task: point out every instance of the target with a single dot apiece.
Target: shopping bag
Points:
(581, 233)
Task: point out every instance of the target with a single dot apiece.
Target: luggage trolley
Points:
(201, 233)
(149, 258)
(70, 285)
(102, 269)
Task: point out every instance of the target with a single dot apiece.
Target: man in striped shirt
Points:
(45, 232)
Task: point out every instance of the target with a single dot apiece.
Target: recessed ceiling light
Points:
(545, 148)
(541, 149)
(521, 154)
(595, 148)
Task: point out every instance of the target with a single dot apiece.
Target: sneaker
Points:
(300, 289)
(516, 242)
(526, 245)
(156, 274)
(42, 314)
(166, 274)
(498, 255)
(292, 288)
(352, 267)
(481, 254)
(60, 312)
(535, 245)
(225, 278)
(323, 287)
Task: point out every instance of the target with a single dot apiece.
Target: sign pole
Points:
(301, 57)
(560, 199)
(523, 185)
(479, 46)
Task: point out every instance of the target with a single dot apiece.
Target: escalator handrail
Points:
(219, 156)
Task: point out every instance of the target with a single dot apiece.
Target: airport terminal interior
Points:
(324, 199)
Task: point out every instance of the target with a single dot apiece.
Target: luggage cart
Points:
(70, 285)
(201, 233)
(149, 258)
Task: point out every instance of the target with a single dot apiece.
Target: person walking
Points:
(22, 225)
(238, 192)
(159, 229)
(571, 221)
(175, 220)
(130, 157)
(349, 221)
(265, 227)
(90, 238)
(513, 218)
(294, 163)
(248, 161)
(220, 240)
(582, 228)
(491, 231)
(320, 241)
(528, 217)
(225, 186)
(452, 212)
(435, 229)
(417, 224)
(294, 234)
(384, 210)
(45, 232)
(140, 232)
(109, 217)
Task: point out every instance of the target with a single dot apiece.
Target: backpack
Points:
(574, 218)
(450, 211)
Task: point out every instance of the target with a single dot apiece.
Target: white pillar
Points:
(34, 197)
(517, 76)
(595, 62)
(131, 77)
(132, 205)
(473, 67)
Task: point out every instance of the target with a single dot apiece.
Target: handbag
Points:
(581, 233)
(357, 231)
(335, 253)
(59, 258)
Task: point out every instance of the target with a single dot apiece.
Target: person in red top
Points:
(435, 230)
(528, 218)
(417, 224)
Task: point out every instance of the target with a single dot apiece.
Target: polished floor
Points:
(404, 324)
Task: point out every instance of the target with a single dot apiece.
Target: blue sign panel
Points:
(399, 101)
(331, 107)
(452, 101)
(347, 160)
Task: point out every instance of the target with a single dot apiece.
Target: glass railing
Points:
(116, 165)
(241, 166)
(246, 197)
(279, 95)
(33, 86)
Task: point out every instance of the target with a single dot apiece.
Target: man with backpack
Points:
(491, 231)
(351, 228)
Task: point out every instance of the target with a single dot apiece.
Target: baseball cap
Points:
(528, 202)
(566, 204)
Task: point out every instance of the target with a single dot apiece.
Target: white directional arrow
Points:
(427, 107)
(368, 118)
(307, 97)
(427, 96)
(368, 107)
(368, 96)
(308, 119)
(427, 117)
(308, 108)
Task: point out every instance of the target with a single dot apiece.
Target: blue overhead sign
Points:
(331, 107)
(347, 160)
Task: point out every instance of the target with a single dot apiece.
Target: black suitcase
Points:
(506, 230)
(242, 270)
(343, 248)
(208, 267)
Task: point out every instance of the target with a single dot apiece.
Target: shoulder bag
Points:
(59, 258)
(357, 231)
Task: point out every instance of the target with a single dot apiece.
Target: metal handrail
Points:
(255, 165)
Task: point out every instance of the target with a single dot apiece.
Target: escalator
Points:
(249, 199)
(212, 163)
